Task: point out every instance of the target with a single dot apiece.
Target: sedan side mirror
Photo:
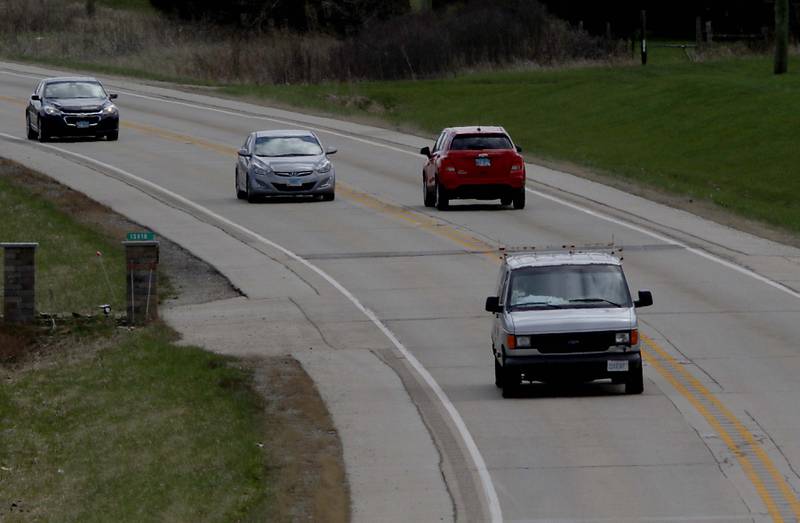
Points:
(113, 96)
(519, 149)
(493, 304)
(243, 152)
(331, 150)
(645, 299)
(425, 151)
(35, 97)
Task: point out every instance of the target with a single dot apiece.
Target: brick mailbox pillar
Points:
(142, 281)
(19, 282)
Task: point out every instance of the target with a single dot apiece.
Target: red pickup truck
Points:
(480, 163)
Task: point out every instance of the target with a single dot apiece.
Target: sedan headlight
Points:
(51, 110)
(110, 109)
(261, 169)
(324, 167)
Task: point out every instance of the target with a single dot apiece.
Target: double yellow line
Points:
(773, 489)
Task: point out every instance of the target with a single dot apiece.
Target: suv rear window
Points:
(480, 142)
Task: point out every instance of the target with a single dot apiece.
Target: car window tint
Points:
(287, 146)
(74, 90)
(480, 142)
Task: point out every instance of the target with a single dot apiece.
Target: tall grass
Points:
(411, 46)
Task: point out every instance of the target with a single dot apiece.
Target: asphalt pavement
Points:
(381, 300)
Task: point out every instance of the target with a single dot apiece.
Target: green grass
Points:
(70, 276)
(139, 431)
(723, 131)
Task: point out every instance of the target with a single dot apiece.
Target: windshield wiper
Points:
(594, 300)
(534, 305)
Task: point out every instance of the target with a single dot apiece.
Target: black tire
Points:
(635, 382)
(498, 374)
(428, 197)
(31, 133)
(511, 382)
(505, 201)
(241, 195)
(442, 199)
(113, 136)
(519, 199)
(41, 133)
(250, 195)
(328, 197)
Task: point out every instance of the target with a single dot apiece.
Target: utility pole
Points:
(781, 36)
(644, 37)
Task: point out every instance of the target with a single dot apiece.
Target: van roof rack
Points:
(605, 248)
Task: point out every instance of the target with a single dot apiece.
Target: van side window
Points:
(504, 286)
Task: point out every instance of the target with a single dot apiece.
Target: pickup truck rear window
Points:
(480, 142)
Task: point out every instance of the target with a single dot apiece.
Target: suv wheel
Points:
(635, 382)
(519, 199)
(442, 201)
(428, 197)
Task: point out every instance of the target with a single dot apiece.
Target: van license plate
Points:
(618, 366)
(483, 162)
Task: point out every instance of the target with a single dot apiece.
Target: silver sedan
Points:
(284, 163)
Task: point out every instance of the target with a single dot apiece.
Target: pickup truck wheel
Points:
(635, 382)
(498, 374)
(442, 200)
(519, 199)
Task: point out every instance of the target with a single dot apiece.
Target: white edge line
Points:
(477, 458)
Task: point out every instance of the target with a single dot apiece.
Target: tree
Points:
(781, 36)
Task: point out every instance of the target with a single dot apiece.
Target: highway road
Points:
(714, 437)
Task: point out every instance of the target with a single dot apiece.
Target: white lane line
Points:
(480, 465)
(560, 201)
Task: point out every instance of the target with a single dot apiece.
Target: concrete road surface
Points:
(389, 295)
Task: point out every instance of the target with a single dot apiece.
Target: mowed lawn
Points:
(724, 131)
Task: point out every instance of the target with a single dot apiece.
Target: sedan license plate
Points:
(617, 366)
(295, 182)
(483, 162)
(82, 124)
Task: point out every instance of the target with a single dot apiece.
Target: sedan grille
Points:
(73, 120)
(565, 343)
(294, 188)
(294, 173)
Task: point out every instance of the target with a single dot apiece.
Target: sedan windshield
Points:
(568, 286)
(74, 90)
(480, 142)
(287, 146)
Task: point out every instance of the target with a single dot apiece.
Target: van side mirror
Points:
(35, 97)
(425, 151)
(645, 299)
(493, 304)
(113, 96)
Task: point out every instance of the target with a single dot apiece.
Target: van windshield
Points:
(568, 286)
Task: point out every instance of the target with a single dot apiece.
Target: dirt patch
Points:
(303, 443)
(189, 280)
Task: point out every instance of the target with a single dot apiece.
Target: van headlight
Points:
(627, 338)
(523, 342)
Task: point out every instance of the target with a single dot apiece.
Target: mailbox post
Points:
(141, 257)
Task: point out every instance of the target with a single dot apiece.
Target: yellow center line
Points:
(744, 460)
